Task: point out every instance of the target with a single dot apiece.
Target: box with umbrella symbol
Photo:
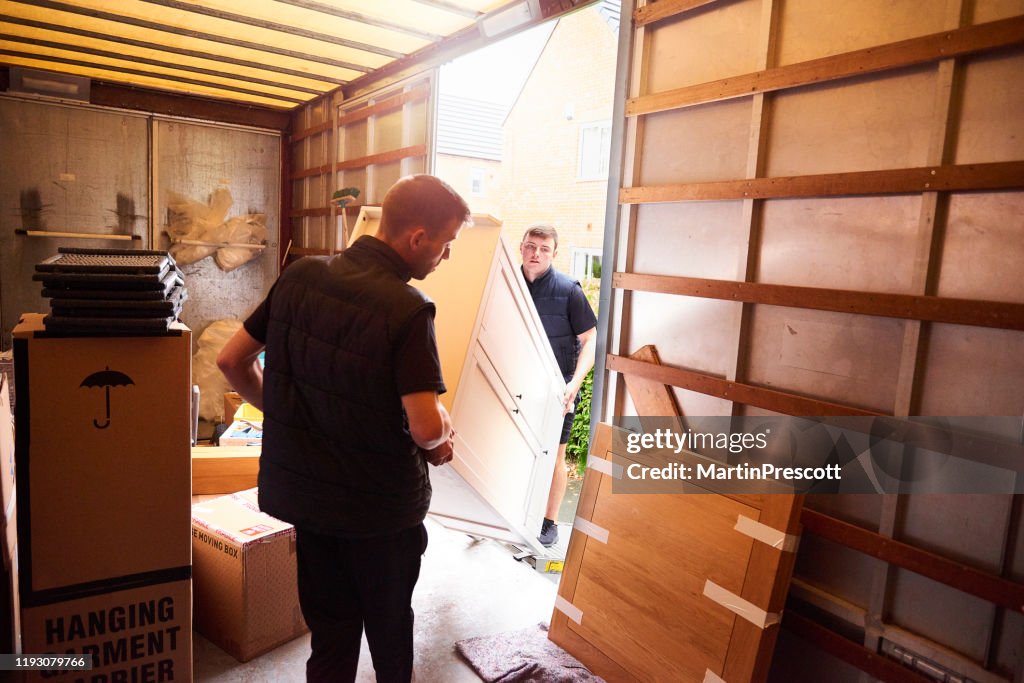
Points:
(106, 379)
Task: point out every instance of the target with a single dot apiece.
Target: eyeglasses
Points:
(530, 247)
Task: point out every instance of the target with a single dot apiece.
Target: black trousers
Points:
(346, 585)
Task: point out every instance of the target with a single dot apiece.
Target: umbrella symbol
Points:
(106, 379)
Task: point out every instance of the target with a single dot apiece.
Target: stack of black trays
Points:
(111, 291)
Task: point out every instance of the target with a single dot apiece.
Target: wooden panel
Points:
(224, 469)
(680, 49)
(850, 126)
(383, 157)
(833, 356)
(664, 9)
(638, 624)
(385, 105)
(922, 606)
(964, 577)
(699, 240)
(841, 571)
(992, 385)
(982, 246)
(992, 10)
(628, 610)
(695, 145)
(927, 519)
(991, 126)
(896, 55)
(808, 242)
(810, 30)
(663, 320)
(388, 132)
(870, 662)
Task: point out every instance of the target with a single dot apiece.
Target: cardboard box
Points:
(103, 456)
(242, 433)
(246, 595)
(136, 634)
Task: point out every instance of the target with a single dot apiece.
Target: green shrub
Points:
(576, 448)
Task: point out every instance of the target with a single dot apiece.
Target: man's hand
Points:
(439, 455)
(569, 397)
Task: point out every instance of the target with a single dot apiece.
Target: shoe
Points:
(548, 534)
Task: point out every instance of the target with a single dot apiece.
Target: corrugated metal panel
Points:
(276, 53)
(469, 128)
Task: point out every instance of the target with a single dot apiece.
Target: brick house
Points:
(557, 135)
(545, 159)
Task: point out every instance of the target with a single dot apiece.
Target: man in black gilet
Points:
(349, 394)
(570, 325)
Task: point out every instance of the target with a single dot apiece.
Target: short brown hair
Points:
(421, 200)
(543, 231)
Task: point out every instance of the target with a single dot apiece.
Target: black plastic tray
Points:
(111, 282)
(107, 325)
(102, 308)
(115, 261)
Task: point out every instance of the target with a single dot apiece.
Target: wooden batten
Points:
(769, 399)
(998, 314)
(879, 666)
(386, 105)
(664, 9)
(383, 157)
(995, 589)
(930, 48)
(992, 176)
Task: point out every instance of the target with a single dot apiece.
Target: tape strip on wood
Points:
(568, 609)
(734, 603)
(711, 677)
(591, 529)
(766, 534)
(606, 467)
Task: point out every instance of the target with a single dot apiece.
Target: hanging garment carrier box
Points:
(104, 496)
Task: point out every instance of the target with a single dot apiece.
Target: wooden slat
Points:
(994, 176)
(383, 157)
(991, 587)
(310, 172)
(303, 134)
(997, 314)
(770, 399)
(879, 666)
(316, 211)
(386, 105)
(651, 398)
(663, 9)
(930, 48)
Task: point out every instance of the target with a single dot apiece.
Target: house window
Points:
(476, 181)
(586, 264)
(595, 148)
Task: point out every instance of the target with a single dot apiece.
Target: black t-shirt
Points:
(417, 364)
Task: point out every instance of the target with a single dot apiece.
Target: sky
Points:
(497, 72)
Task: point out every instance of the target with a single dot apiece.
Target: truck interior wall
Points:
(368, 142)
(193, 160)
(963, 243)
(93, 170)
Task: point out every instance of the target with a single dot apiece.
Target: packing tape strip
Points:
(711, 677)
(734, 603)
(568, 609)
(606, 467)
(766, 534)
(591, 529)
